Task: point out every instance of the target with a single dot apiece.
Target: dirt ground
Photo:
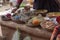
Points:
(7, 6)
(4, 7)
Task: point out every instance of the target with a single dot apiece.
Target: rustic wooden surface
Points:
(7, 32)
(9, 27)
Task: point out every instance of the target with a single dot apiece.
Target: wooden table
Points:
(9, 27)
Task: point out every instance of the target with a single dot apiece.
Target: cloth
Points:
(54, 20)
(50, 5)
(57, 30)
(58, 19)
(19, 2)
(17, 36)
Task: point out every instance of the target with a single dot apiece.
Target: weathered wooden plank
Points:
(7, 32)
(32, 31)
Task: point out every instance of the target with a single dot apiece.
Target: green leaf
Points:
(22, 5)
